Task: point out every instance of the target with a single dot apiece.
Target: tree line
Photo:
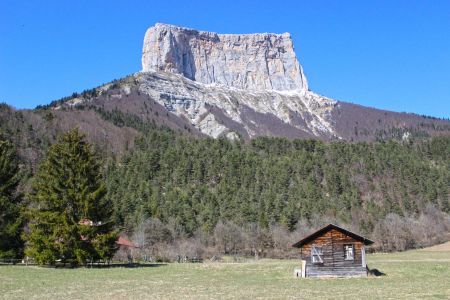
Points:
(198, 182)
(192, 185)
(172, 193)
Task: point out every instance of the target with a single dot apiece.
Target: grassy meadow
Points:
(418, 274)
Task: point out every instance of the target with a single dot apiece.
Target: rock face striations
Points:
(222, 111)
(232, 84)
(241, 86)
(262, 61)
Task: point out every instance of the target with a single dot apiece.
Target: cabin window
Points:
(316, 255)
(349, 252)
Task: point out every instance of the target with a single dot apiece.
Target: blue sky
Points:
(393, 55)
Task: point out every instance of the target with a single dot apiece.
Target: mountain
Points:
(238, 86)
(288, 154)
(245, 61)
(244, 86)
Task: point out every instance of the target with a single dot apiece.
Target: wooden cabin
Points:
(333, 251)
(125, 249)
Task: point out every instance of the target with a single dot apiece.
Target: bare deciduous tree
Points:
(228, 237)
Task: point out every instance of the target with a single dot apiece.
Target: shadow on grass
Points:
(94, 266)
(130, 265)
(375, 272)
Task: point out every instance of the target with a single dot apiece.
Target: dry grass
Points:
(410, 275)
(439, 248)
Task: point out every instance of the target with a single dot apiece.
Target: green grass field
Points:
(410, 275)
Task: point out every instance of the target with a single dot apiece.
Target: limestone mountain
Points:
(246, 61)
(246, 85)
(152, 127)
(209, 84)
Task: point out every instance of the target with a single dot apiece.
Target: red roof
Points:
(124, 242)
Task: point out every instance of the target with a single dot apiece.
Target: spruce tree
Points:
(10, 206)
(69, 215)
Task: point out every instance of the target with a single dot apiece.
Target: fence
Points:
(16, 261)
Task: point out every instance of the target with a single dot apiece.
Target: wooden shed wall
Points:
(334, 263)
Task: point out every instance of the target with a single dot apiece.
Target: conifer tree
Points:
(10, 206)
(69, 216)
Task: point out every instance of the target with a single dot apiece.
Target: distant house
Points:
(87, 222)
(333, 251)
(90, 223)
(125, 243)
(122, 242)
(126, 249)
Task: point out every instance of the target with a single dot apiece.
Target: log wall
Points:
(334, 263)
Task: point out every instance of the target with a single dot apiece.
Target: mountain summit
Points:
(262, 61)
(240, 86)
(233, 84)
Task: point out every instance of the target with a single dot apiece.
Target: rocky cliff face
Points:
(263, 61)
(232, 84)
(223, 111)
(225, 85)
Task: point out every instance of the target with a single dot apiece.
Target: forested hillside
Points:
(192, 184)
(167, 186)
